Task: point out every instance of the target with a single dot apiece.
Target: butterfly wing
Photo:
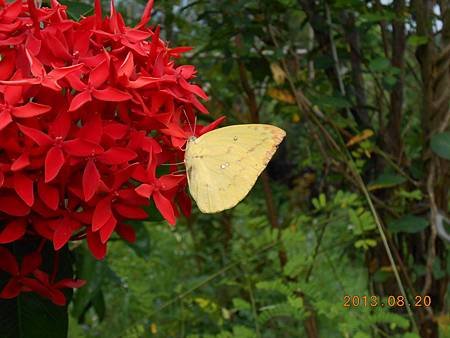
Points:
(223, 165)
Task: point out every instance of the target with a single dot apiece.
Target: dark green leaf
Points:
(93, 271)
(333, 102)
(440, 144)
(99, 305)
(438, 272)
(408, 223)
(386, 180)
(417, 40)
(379, 64)
(31, 316)
(77, 9)
(142, 245)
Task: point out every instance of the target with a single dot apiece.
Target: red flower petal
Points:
(107, 230)
(91, 180)
(194, 89)
(42, 228)
(127, 67)
(99, 74)
(23, 186)
(97, 248)
(31, 109)
(8, 262)
(211, 126)
(185, 203)
(8, 64)
(165, 207)
(13, 205)
(30, 263)
(102, 213)
(54, 161)
(145, 190)
(57, 297)
(117, 155)
(70, 283)
(61, 125)
(62, 233)
(21, 162)
(171, 181)
(126, 232)
(36, 286)
(5, 119)
(92, 130)
(11, 289)
(110, 94)
(48, 194)
(130, 212)
(79, 100)
(116, 131)
(13, 231)
(201, 108)
(146, 15)
(81, 148)
(59, 73)
(36, 67)
(37, 136)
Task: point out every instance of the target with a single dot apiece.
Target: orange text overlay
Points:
(389, 301)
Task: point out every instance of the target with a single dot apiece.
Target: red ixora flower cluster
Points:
(88, 112)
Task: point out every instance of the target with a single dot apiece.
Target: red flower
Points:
(41, 77)
(160, 189)
(9, 108)
(88, 111)
(28, 278)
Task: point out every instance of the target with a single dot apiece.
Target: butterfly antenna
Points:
(189, 122)
(178, 163)
(178, 172)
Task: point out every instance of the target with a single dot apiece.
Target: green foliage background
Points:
(281, 262)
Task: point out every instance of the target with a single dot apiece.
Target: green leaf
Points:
(386, 180)
(376, 16)
(438, 272)
(440, 144)
(77, 9)
(417, 40)
(99, 305)
(408, 223)
(287, 3)
(365, 243)
(142, 244)
(240, 304)
(389, 82)
(31, 316)
(410, 335)
(361, 335)
(93, 271)
(379, 64)
(333, 102)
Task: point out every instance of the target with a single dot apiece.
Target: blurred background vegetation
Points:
(362, 89)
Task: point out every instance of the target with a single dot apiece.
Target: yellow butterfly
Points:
(223, 165)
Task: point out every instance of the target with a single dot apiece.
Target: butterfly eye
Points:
(235, 138)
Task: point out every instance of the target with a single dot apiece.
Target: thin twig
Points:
(431, 255)
(342, 149)
(212, 277)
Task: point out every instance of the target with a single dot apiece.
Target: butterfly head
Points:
(191, 139)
